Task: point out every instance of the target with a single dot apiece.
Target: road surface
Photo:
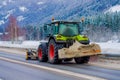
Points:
(14, 71)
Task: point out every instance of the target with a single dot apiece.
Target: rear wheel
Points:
(82, 60)
(42, 57)
(53, 52)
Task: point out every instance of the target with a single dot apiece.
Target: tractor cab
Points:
(64, 28)
(65, 31)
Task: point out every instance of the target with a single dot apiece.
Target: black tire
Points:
(53, 52)
(82, 60)
(42, 57)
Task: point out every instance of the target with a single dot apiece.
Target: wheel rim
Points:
(40, 53)
(51, 54)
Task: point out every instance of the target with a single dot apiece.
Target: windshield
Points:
(68, 29)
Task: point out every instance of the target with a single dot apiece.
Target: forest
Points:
(99, 28)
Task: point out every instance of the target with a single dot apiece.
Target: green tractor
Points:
(63, 42)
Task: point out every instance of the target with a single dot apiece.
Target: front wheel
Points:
(82, 60)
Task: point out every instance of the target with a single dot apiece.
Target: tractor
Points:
(62, 41)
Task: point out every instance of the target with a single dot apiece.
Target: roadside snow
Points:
(110, 48)
(25, 44)
(107, 48)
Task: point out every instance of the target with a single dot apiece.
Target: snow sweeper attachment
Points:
(79, 50)
(31, 54)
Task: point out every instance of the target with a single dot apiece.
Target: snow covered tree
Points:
(13, 30)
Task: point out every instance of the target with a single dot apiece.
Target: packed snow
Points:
(107, 48)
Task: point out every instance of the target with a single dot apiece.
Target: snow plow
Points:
(63, 41)
(79, 50)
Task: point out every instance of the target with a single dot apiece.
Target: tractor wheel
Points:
(82, 60)
(42, 57)
(53, 52)
(27, 56)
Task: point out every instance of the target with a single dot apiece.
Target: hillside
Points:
(39, 11)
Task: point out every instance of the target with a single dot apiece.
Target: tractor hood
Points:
(77, 38)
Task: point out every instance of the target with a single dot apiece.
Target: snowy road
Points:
(86, 69)
(12, 71)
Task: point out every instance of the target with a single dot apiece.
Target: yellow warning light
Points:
(82, 19)
(53, 19)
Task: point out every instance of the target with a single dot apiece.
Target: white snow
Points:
(24, 44)
(108, 47)
(10, 1)
(20, 18)
(2, 22)
(11, 11)
(1, 33)
(23, 8)
(115, 8)
(6, 17)
(4, 3)
(40, 3)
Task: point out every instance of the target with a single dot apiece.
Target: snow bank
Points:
(110, 48)
(107, 48)
(25, 44)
